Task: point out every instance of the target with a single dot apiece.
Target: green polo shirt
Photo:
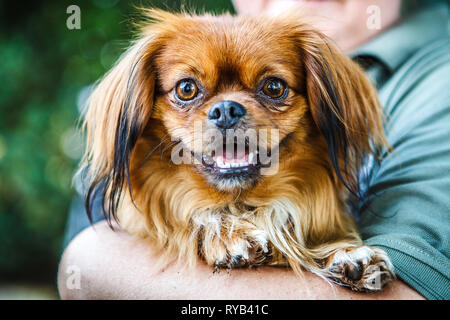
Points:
(406, 210)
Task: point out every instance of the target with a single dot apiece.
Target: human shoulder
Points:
(425, 73)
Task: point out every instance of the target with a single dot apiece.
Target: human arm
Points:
(115, 265)
(406, 212)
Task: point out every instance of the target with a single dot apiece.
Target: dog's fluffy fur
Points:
(329, 122)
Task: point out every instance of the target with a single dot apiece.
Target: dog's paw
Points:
(361, 268)
(242, 247)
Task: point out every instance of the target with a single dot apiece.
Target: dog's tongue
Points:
(237, 156)
(232, 157)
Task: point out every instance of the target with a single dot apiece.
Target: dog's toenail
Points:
(237, 259)
(353, 272)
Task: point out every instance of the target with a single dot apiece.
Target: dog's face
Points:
(191, 76)
(222, 76)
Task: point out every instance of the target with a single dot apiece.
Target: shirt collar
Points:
(398, 43)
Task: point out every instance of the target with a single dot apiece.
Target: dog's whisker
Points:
(164, 139)
(170, 145)
(281, 125)
(152, 151)
(291, 119)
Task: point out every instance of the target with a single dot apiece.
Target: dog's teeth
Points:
(219, 162)
(224, 164)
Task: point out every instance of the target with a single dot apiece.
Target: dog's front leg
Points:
(228, 241)
(361, 268)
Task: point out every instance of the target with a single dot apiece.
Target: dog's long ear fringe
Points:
(119, 109)
(344, 106)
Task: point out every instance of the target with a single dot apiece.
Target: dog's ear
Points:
(344, 106)
(118, 110)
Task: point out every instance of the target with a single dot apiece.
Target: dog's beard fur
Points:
(328, 122)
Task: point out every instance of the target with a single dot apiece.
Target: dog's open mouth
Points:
(232, 165)
(234, 160)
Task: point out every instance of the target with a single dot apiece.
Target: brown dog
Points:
(226, 73)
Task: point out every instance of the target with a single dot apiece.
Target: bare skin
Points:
(344, 21)
(115, 265)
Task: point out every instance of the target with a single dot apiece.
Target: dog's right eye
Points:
(186, 90)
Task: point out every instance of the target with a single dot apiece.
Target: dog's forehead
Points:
(243, 47)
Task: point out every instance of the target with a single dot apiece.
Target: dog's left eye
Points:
(186, 90)
(274, 88)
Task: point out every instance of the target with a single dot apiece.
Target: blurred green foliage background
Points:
(44, 71)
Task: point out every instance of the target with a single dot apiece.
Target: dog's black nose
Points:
(225, 114)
